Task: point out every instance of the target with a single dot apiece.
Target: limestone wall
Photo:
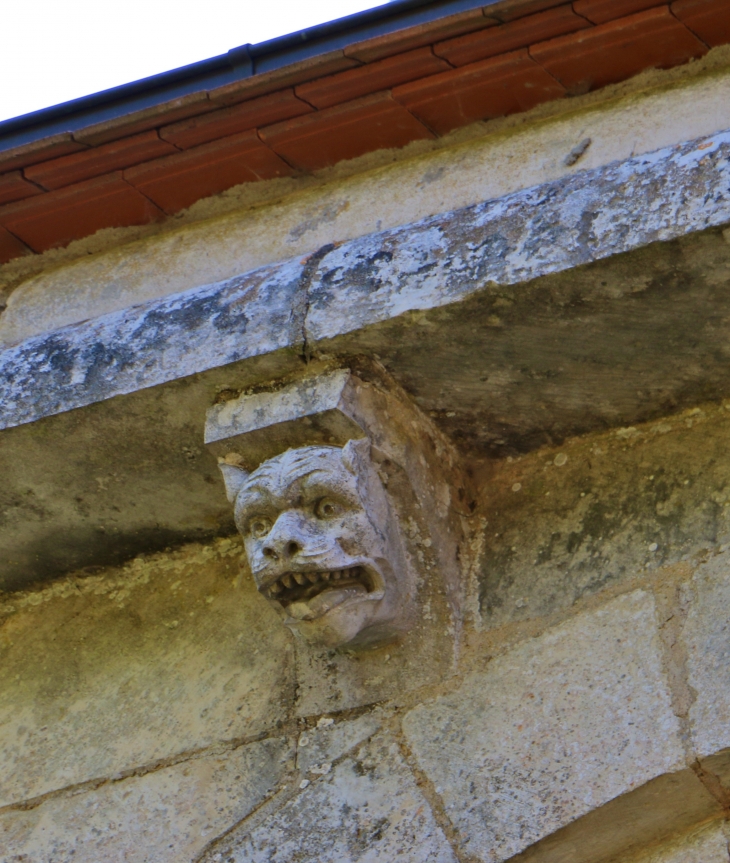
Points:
(160, 712)
(564, 696)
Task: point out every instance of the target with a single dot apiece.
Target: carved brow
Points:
(318, 479)
(256, 496)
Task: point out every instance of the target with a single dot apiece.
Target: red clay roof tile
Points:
(10, 247)
(14, 188)
(509, 11)
(278, 79)
(600, 11)
(586, 46)
(380, 75)
(149, 118)
(176, 182)
(57, 218)
(99, 160)
(509, 37)
(420, 35)
(482, 91)
(39, 151)
(272, 108)
(709, 19)
(615, 51)
(350, 130)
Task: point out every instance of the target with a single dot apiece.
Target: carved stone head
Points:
(322, 544)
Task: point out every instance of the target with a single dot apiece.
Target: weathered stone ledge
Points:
(436, 262)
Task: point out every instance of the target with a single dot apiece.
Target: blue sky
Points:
(55, 50)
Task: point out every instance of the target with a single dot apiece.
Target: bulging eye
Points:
(259, 527)
(327, 508)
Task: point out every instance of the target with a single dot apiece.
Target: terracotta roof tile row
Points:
(415, 84)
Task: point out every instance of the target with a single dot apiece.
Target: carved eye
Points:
(259, 527)
(327, 508)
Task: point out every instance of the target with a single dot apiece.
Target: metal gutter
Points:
(238, 64)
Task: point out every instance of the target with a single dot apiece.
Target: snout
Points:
(293, 539)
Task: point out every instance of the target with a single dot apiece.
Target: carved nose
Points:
(276, 550)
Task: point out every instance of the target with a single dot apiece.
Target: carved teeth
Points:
(291, 580)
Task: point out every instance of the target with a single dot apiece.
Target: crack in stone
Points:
(303, 296)
(288, 788)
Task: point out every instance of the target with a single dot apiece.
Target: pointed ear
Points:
(353, 451)
(234, 477)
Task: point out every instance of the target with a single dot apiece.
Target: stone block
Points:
(344, 132)
(105, 202)
(96, 161)
(480, 91)
(167, 816)
(108, 674)
(614, 51)
(175, 182)
(567, 522)
(366, 808)
(380, 75)
(510, 36)
(308, 412)
(332, 738)
(707, 640)
(551, 730)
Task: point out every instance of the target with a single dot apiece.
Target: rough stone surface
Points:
(106, 674)
(593, 215)
(566, 522)
(551, 730)
(439, 261)
(260, 425)
(331, 738)
(248, 316)
(167, 816)
(707, 638)
(366, 808)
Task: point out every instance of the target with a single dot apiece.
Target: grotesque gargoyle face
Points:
(322, 544)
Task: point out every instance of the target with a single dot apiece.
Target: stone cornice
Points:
(439, 261)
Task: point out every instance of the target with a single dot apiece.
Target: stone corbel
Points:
(348, 500)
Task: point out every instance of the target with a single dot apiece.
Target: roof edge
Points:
(238, 64)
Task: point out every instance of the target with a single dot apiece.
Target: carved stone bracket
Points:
(348, 500)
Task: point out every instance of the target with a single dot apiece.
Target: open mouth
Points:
(303, 587)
